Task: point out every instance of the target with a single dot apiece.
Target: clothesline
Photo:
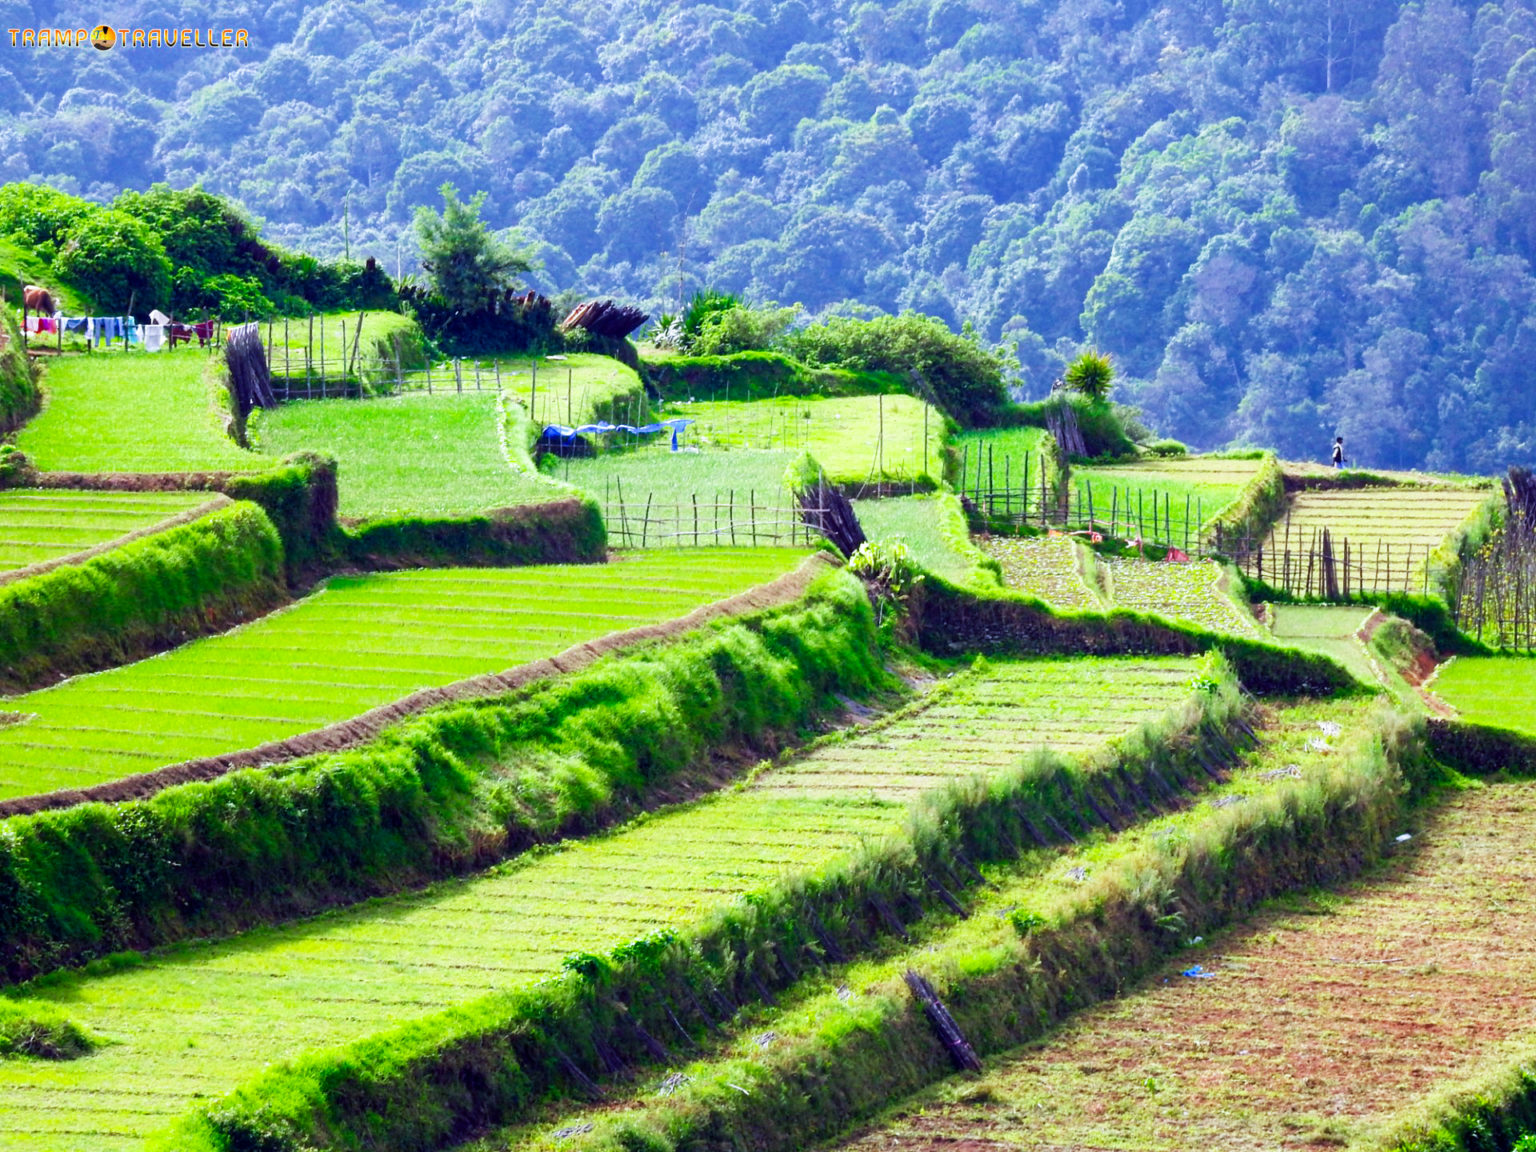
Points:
(100, 330)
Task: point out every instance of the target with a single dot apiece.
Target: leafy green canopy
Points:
(963, 375)
(467, 264)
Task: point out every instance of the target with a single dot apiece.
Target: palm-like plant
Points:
(1092, 374)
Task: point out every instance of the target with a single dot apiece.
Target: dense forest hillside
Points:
(1283, 219)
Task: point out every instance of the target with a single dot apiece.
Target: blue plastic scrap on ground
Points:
(565, 432)
(1198, 972)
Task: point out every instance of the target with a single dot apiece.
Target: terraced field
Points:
(39, 525)
(132, 412)
(191, 1024)
(414, 454)
(1391, 531)
(1329, 630)
(361, 642)
(1189, 592)
(1043, 566)
(1203, 485)
(1495, 690)
(1321, 1020)
(933, 528)
(1040, 881)
(845, 434)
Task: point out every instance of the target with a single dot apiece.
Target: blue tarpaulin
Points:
(565, 433)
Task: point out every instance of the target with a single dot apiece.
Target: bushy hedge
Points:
(1254, 512)
(299, 495)
(450, 790)
(428, 1082)
(759, 376)
(147, 594)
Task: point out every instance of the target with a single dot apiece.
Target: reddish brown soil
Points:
(1322, 1021)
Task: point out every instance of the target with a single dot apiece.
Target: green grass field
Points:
(132, 412)
(1189, 592)
(360, 642)
(1324, 1019)
(1496, 690)
(193, 1023)
(919, 523)
(412, 454)
(37, 525)
(1327, 629)
(1390, 530)
(844, 435)
(335, 339)
(714, 475)
(1043, 566)
(1123, 495)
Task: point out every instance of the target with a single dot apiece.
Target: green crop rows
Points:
(46, 524)
(193, 1023)
(417, 454)
(1043, 566)
(361, 642)
(1497, 690)
(1189, 592)
(132, 412)
(1390, 530)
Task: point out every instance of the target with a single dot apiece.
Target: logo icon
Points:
(103, 37)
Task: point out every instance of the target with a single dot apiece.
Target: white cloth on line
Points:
(159, 317)
(154, 336)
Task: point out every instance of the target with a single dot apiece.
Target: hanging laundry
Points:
(107, 328)
(77, 324)
(159, 317)
(34, 323)
(47, 324)
(130, 330)
(154, 337)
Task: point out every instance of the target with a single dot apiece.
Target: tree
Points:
(467, 264)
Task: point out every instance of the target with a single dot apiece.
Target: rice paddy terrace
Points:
(1314, 1026)
(191, 1024)
(358, 643)
(43, 525)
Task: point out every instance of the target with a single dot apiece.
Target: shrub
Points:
(20, 396)
(963, 376)
(116, 261)
(1168, 448)
(1091, 375)
(742, 329)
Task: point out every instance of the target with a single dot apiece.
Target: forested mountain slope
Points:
(1285, 218)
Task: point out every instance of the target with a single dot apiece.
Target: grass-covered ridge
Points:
(475, 944)
(1497, 691)
(357, 644)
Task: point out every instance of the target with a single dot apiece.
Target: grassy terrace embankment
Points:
(1326, 1016)
(37, 526)
(190, 1025)
(1045, 936)
(132, 412)
(359, 643)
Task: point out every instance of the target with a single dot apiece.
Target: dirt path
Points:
(1323, 1019)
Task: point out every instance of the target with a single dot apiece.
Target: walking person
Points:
(1338, 451)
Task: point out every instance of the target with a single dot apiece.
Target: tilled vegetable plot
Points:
(361, 642)
(1189, 592)
(1043, 566)
(1311, 1028)
(196, 1022)
(38, 525)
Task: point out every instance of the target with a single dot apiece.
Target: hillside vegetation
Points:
(1284, 220)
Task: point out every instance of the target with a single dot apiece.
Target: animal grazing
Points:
(38, 300)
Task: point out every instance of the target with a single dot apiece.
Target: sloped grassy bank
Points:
(946, 618)
(140, 597)
(1009, 977)
(447, 791)
(490, 1060)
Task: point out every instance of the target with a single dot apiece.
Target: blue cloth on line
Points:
(130, 330)
(565, 432)
(76, 323)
